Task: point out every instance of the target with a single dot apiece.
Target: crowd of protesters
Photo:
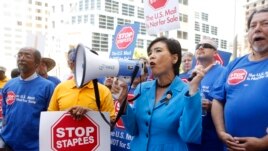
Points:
(207, 107)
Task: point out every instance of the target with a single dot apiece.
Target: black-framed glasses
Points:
(204, 46)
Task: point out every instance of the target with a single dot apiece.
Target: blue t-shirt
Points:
(53, 79)
(184, 76)
(210, 140)
(244, 87)
(23, 102)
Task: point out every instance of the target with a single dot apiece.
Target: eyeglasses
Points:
(204, 46)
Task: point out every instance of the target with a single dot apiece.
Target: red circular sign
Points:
(237, 76)
(10, 97)
(218, 59)
(120, 123)
(156, 4)
(124, 37)
(69, 134)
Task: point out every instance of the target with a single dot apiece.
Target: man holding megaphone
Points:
(79, 100)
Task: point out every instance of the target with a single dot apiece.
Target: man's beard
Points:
(260, 49)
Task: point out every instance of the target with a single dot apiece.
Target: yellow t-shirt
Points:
(3, 82)
(67, 95)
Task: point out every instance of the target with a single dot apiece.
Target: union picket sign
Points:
(58, 131)
(125, 37)
(156, 4)
(69, 134)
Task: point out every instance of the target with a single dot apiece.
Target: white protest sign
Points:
(60, 132)
(161, 15)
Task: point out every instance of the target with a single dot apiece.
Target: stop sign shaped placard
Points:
(218, 59)
(124, 37)
(157, 3)
(69, 134)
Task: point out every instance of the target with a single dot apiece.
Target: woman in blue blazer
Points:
(167, 115)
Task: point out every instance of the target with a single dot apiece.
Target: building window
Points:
(121, 21)
(100, 42)
(197, 26)
(106, 22)
(224, 44)
(81, 5)
(92, 19)
(73, 19)
(205, 28)
(86, 4)
(85, 18)
(127, 10)
(139, 43)
(92, 4)
(140, 12)
(38, 18)
(182, 35)
(204, 16)
(183, 17)
(197, 38)
(216, 41)
(61, 8)
(98, 4)
(38, 3)
(142, 28)
(214, 30)
(111, 6)
(38, 11)
(79, 19)
(184, 2)
(196, 14)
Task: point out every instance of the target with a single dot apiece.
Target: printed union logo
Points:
(124, 38)
(157, 3)
(237, 76)
(10, 97)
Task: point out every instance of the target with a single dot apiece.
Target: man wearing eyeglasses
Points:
(204, 54)
(240, 106)
(24, 98)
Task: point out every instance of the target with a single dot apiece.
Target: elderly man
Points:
(240, 108)
(45, 66)
(23, 100)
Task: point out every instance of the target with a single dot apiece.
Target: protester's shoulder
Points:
(103, 87)
(66, 83)
(237, 60)
(12, 81)
(54, 78)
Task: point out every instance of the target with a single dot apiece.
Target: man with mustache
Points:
(240, 107)
(23, 100)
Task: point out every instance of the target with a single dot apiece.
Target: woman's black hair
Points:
(174, 47)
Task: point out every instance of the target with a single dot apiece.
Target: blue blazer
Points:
(167, 125)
